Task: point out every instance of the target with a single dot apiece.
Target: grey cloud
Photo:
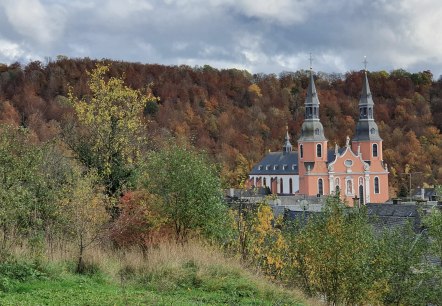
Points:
(257, 35)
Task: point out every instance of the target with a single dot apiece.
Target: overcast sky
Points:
(267, 36)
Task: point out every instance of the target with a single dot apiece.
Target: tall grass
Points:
(192, 269)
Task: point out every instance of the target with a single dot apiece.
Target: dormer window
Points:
(372, 131)
(316, 131)
(275, 167)
(284, 167)
(260, 167)
(293, 166)
(267, 167)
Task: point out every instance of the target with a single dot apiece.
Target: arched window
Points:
(361, 195)
(361, 181)
(375, 150)
(265, 182)
(318, 150)
(301, 150)
(376, 185)
(281, 186)
(291, 186)
(337, 187)
(320, 187)
(349, 187)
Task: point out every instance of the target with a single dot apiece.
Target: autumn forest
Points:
(236, 117)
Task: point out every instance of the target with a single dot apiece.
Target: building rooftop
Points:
(277, 163)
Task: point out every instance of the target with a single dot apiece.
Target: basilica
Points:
(357, 171)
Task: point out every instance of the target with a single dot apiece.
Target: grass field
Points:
(168, 275)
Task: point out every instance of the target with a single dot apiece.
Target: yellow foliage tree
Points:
(110, 132)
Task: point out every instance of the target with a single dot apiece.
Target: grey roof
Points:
(312, 95)
(366, 98)
(277, 163)
(331, 154)
(312, 129)
(428, 192)
(366, 128)
(393, 215)
(381, 216)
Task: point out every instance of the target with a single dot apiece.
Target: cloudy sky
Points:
(267, 36)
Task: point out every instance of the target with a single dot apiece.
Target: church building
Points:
(357, 170)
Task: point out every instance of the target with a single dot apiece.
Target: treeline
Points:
(236, 116)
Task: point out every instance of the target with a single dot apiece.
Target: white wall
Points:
(285, 181)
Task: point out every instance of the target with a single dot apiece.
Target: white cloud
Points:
(33, 20)
(10, 51)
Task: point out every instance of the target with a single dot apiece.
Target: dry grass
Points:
(172, 266)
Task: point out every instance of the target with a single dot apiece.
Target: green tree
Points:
(190, 190)
(401, 261)
(110, 131)
(32, 176)
(331, 255)
(433, 223)
(85, 211)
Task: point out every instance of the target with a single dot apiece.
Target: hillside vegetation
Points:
(237, 117)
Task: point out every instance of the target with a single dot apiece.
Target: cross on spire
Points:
(311, 60)
(365, 63)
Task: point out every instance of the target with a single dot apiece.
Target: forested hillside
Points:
(236, 116)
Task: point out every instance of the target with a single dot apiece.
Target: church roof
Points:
(277, 163)
(312, 95)
(366, 97)
(331, 156)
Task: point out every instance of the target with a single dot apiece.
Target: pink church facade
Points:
(357, 171)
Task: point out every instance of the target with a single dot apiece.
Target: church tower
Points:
(312, 147)
(367, 143)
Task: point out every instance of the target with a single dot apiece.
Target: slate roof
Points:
(331, 154)
(274, 162)
(428, 193)
(393, 215)
(381, 216)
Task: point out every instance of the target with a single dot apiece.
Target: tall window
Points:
(375, 150)
(319, 150)
(337, 185)
(376, 185)
(301, 149)
(361, 195)
(320, 187)
(349, 187)
(281, 186)
(291, 186)
(265, 182)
